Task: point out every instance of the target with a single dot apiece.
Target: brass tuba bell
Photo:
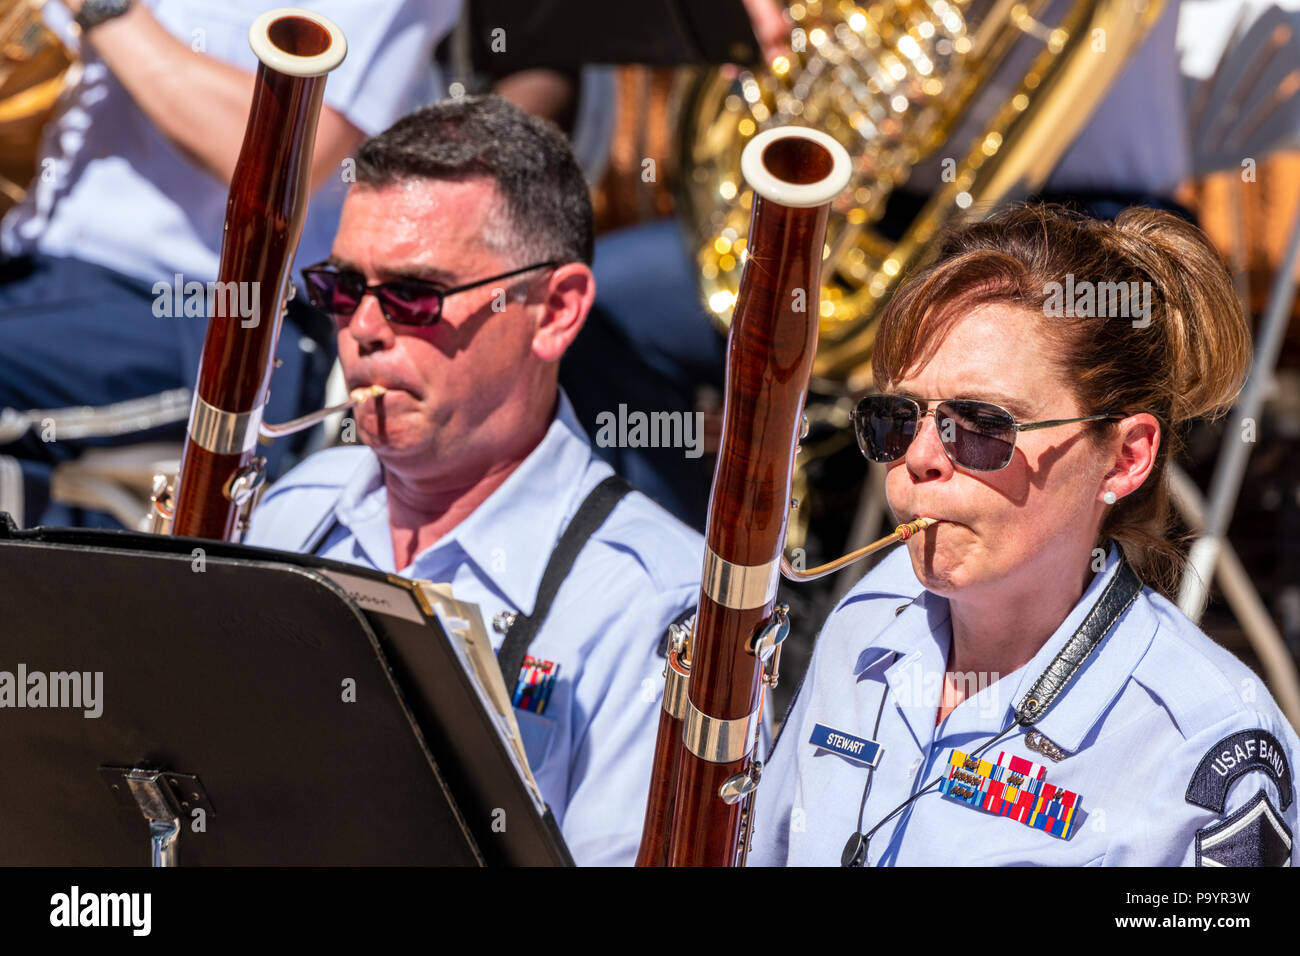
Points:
(893, 81)
(34, 70)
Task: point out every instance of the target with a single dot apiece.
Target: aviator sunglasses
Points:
(979, 436)
(405, 301)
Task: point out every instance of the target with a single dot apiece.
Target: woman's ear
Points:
(1134, 456)
(570, 291)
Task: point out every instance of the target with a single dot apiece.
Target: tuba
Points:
(220, 473)
(35, 68)
(705, 770)
(892, 82)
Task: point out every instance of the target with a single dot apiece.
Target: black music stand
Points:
(268, 709)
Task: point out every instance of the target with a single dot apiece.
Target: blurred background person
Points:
(131, 185)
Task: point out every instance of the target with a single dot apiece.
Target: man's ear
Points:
(570, 291)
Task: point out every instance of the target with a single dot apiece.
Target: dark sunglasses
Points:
(979, 436)
(406, 301)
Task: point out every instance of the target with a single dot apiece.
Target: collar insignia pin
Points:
(1036, 742)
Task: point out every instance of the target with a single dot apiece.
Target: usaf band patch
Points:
(1233, 756)
(1253, 836)
(865, 752)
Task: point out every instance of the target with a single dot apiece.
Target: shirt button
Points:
(916, 765)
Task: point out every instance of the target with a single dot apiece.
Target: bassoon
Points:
(220, 470)
(699, 809)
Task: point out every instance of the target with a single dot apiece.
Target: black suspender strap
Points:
(591, 515)
(323, 528)
(316, 538)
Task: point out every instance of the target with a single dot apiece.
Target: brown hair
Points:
(1186, 359)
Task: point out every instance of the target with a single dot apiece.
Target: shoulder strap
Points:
(322, 530)
(591, 515)
(1119, 594)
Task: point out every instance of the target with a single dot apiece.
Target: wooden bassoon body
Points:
(264, 217)
(705, 770)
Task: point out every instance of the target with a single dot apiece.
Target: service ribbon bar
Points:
(967, 779)
(1013, 787)
(1054, 811)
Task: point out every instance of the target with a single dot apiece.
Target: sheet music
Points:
(463, 623)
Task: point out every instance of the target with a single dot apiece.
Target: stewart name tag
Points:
(865, 752)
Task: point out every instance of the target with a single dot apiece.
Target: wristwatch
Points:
(95, 12)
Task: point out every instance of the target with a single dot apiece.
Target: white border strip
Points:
(788, 193)
(277, 59)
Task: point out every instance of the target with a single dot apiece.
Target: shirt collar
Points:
(921, 627)
(509, 536)
(362, 508)
(1094, 688)
(1096, 685)
(918, 619)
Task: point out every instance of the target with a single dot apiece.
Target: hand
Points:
(771, 27)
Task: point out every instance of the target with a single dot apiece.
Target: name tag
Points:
(857, 749)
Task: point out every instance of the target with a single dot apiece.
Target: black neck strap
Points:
(1120, 593)
(591, 515)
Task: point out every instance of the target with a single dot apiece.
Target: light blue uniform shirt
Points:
(592, 750)
(1157, 715)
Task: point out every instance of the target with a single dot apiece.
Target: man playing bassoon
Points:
(459, 276)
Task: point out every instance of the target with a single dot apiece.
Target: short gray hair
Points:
(547, 207)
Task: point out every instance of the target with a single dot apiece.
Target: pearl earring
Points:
(1109, 497)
